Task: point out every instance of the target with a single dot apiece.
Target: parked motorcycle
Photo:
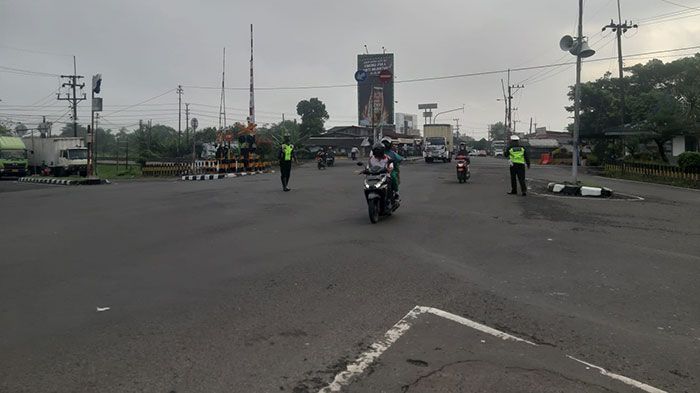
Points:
(463, 173)
(380, 197)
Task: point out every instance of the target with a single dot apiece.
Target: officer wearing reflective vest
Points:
(519, 158)
(286, 155)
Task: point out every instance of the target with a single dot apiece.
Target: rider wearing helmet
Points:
(380, 159)
(463, 152)
(396, 159)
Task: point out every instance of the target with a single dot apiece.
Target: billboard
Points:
(375, 89)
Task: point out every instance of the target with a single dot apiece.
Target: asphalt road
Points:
(235, 286)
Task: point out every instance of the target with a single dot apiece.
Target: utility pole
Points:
(222, 102)
(179, 117)
(94, 145)
(619, 28)
(456, 125)
(577, 97)
(187, 123)
(510, 128)
(530, 132)
(74, 99)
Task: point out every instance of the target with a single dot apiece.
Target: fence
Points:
(178, 168)
(653, 171)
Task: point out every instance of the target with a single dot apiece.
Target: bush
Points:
(592, 160)
(689, 161)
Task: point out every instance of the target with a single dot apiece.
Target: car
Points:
(473, 153)
(482, 153)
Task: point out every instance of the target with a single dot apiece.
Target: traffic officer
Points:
(286, 155)
(519, 158)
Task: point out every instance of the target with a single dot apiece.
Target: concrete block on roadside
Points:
(591, 191)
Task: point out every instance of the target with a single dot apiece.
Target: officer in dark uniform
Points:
(519, 159)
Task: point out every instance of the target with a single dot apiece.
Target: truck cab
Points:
(13, 157)
(437, 142)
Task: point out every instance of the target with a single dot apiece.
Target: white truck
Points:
(437, 142)
(499, 148)
(62, 156)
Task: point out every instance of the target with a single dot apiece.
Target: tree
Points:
(313, 116)
(5, 131)
(67, 130)
(662, 100)
(482, 144)
(20, 130)
(498, 131)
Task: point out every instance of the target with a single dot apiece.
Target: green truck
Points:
(13, 157)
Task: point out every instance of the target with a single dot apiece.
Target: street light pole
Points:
(577, 97)
(451, 110)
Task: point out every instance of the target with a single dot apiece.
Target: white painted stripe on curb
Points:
(621, 378)
(404, 324)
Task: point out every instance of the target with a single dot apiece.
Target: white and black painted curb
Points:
(222, 176)
(48, 180)
(576, 190)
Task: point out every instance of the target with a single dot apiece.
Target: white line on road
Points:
(404, 324)
(364, 360)
(621, 378)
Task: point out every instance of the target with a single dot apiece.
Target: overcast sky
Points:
(144, 48)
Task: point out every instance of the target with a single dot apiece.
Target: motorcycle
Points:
(330, 160)
(321, 162)
(380, 197)
(463, 173)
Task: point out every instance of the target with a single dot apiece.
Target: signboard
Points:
(194, 122)
(97, 104)
(361, 75)
(427, 106)
(375, 95)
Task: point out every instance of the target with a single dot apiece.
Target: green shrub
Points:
(592, 160)
(689, 161)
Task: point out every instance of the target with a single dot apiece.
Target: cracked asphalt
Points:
(234, 286)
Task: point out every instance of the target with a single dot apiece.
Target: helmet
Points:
(378, 150)
(462, 144)
(386, 141)
(286, 139)
(514, 138)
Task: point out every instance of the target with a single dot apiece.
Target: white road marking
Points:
(621, 378)
(473, 325)
(404, 324)
(101, 309)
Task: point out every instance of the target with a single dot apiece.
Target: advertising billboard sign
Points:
(375, 91)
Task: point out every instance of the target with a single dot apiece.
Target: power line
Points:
(140, 103)
(34, 51)
(681, 5)
(27, 72)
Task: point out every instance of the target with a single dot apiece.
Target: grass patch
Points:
(109, 171)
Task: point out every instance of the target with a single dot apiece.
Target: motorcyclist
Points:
(396, 159)
(463, 152)
(379, 159)
(321, 154)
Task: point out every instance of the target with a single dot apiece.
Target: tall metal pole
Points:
(179, 117)
(577, 98)
(619, 62)
(251, 115)
(75, 100)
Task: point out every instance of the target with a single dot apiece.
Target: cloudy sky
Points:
(145, 48)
